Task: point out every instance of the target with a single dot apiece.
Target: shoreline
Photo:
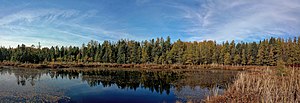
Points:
(56, 65)
(244, 88)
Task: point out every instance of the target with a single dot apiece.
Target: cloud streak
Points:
(242, 20)
(52, 27)
(73, 22)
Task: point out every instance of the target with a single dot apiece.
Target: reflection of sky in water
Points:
(39, 83)
(43, 87)
(114, 94)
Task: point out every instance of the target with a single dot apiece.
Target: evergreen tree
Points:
(121, 52)
(188, 54)
(176, 53)
(227, 59)
(160, 51)
(244, 57)
(237, 59)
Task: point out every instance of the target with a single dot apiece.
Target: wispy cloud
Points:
(53, 27)
(75, 22)
(241, 19)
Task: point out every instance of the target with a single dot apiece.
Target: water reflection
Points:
(23, 75)
(158, 81)
(186, 85)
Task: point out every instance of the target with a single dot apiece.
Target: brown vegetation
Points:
(269, 86)
(55, 65)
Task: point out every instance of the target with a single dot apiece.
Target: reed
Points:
(263, 87)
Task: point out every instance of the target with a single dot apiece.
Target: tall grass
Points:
(263, 87)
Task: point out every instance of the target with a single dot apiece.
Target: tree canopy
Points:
(160, 51)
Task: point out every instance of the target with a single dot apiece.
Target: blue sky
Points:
(73, 22)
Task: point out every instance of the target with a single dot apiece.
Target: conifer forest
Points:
(267, 52)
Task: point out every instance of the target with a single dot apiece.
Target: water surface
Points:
(110, 85)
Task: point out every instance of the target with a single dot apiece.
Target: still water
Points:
(108, 85)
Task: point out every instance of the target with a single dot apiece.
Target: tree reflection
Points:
(159, 81)
(155, 81)
(24, 75)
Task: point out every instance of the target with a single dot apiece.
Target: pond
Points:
(111, 85)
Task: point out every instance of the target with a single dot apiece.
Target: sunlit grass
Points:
(264, 87)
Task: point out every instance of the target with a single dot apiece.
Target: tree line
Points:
(160, 51)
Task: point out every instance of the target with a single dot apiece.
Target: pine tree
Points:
(177, 51)
(98, 53)
(290, 52)
(232, 50)
(227, 59)
(157, 51)
(121, 52)
(146, 52)
(135, 58)
(188, 54)
(297, 52)
(260, 55)
(215, 53)
(272, 58)
(266, 52)
(237, 59)
(106, 52)
(167, 44)
(244, 57)
(225, 49)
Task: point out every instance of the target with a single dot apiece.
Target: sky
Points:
(73, 22)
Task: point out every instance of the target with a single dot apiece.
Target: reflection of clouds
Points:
(186, 85)
(21, 75)
(194, 94)
(36, 90)
(199, 84)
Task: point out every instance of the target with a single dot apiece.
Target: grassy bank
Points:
(269, 86)
(145, 66)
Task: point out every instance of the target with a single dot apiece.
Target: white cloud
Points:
(242, 19)
(53, 27)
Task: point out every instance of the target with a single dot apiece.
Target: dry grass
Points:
(142, 66)
(263, 87)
